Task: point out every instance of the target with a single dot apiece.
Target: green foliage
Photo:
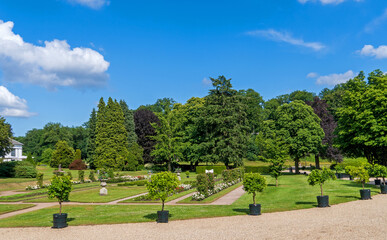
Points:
(257, 169)
(380, 171)
(47, 155)
(111, 136)
(5, 137)
(91, 136)
(360, 174)
(25, 169)
(70, 175)
(253, 183)
(217, 169)
(129, 124)
(276, 168)
(232, 175)
(60, 189)
(63, 154)
(78, 155)
(362, 118)
(162, 185)
(205, 183)
(319, 177)
(254, 111)
(30, 159)
(92, 176)
(110, 173)
(187, 173)
(81, 176)
(39, 179)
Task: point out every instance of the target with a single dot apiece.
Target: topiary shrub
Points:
(77, 164)
(162, 185)
(60, 189)
(70, 175)
(92, 176)
(81, 176)
(253, 183)
(25, 169)
(7, 169)
(39, 179)
(320, 177)
(360, 174)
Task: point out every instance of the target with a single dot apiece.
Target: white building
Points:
(16, 154)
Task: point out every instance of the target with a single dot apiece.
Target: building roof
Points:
(14, 142)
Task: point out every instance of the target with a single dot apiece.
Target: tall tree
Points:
(63, 155)
(5, 137)
(160, 106)
(129, 123)
(91, 145)
(111, 137)
(223, 123)
(144, 131)
(299, 126)
(362, 119)
(254, 111)
(328, 124)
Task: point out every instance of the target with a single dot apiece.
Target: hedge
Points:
(217, 169)
(257, 169)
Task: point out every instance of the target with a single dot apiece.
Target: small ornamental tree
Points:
(380, 172)
(39, 179)
(253, 183)
(319, 177)
(360, 174)
(60, 189)
(276, 169)
(81, 176)
(162, 185)
(91, 176)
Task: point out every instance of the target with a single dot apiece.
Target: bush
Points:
(205, 183)
(25, 169)
(91, 176)
(7, 169)
(39, 179)
(63, 154)
(257, 169)
(77, 164)
(110, 173)
(70, 175)
(359, 173)
(60, 189)
(81, 176)
(355, 162)
(162, 185)
(134, 183)
(217, 169)
(253, 183)
(319, 177)
(232, 175)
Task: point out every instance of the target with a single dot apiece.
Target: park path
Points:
(10, 193)
(230, 197)
(351, 220)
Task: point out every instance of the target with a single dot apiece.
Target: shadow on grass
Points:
(354, 197)
(306, 203)
(70, 219)
(241, 210)
(153, 216)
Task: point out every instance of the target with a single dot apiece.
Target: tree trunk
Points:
(363, 185)
(317, 160)
(276, 182)
(60, 208)
(169, 165)
(162, 208)
(297, 162)
(254, 197)
(321, 189)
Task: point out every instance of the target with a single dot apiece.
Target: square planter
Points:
(255, 209)
(59, 220)
(383, 189)
(323, 201)
(162, 216)
(365, 194)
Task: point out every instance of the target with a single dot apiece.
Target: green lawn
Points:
(92, 195)
(293, 193)
(6, 208)
(173, 197)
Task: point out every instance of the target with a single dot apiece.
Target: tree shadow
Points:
(153, 216)
(241, 210)
(70, 219)
(271, 185)
(355, 197)
(306, 203)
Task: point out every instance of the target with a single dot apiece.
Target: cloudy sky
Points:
(58, 57)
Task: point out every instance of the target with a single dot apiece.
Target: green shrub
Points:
(217, 169)
(232, 175)
(110, 173)
(39, 179)
(355, 162)
(81, 176)
(7, 169)
(257, 169)
(25, 169)
(60, 189)
(202, 184)
(380, 172)
(360, 174)
(162, 185)
(70, 175)
(92, 176)
(319, 177)
(253, 183)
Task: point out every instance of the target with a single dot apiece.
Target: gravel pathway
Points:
(352, 220)
(230, 197)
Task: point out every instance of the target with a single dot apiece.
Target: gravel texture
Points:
(352, 220)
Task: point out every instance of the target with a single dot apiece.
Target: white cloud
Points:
(95, 4)
(369, 50)
(332, 79)
(325, 2)
(54, 64)
(206, 82)
(370, 27)
(11, 105)
(286, 37)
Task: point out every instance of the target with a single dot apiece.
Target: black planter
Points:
(60, 220)
(255, 209)
(377, 181)
(365, 194)
(323, 201)
(383, 189)
(162, 216)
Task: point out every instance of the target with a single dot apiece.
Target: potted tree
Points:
(160, 186)
(339, 169)
(253, 183)
(381, 172)
(320, 177)
(360, 174)
(60, 189)
(276, 169)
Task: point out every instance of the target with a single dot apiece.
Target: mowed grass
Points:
(92, 195)
(293, 193)
(173, 197)
(6, 208)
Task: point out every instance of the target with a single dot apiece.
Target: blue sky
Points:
(58, 57)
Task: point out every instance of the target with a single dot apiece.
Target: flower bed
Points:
(36, 187)
(179, 189)
(218, 187)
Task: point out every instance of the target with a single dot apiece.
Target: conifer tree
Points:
(91, 127)
(129, 123)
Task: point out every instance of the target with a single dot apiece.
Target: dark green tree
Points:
(91, 131)
(129, 123)
(63, 155)
(5, 137)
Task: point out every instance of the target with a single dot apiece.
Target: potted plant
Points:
(253, 183)
(371, 168)
(361, 175)
(187, 174)
(381, 172)
(60, 189)
(160, 186)
(320, 177)
(339, 170)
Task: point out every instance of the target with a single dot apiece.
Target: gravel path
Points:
(230, 197)
(352, 220)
